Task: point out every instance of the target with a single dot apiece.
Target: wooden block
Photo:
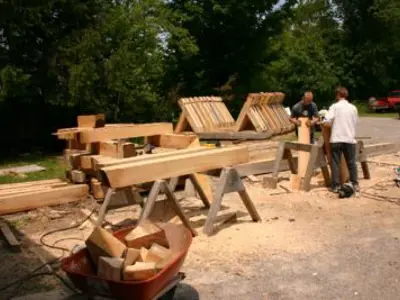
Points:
(126, 149)
(132, 255)
(117, 149)
(177, 165)
(139, 271)
(91, 121)
(174, 141)
(123, 131)
(78, 176)
(157, 254)
(30, 200)
(304, 138)
(145, 234)
(103, 243)
(143, 252)
(97, 189)
(110, 268)
(9, 236)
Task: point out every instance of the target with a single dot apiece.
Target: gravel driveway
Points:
(379, 129)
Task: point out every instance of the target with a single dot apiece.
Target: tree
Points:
(372, 38)
(118, 66)
(303, 56)
(231, 36)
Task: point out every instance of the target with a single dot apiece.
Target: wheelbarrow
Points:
(81, 272)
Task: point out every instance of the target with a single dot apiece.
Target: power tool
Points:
(346, 191)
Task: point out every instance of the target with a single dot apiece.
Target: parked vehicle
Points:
(389, 103)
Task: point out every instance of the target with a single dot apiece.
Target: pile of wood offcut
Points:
(141, 255)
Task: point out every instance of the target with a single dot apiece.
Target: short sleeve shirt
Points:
(301, 110)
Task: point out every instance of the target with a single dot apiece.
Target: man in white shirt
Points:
(342, 116)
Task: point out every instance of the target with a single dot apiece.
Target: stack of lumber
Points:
(264, 112)
(204, 114)
(142, 253)
(18, 197)
(94, 141)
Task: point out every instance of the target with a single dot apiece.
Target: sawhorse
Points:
(316, 160)
(229, 181)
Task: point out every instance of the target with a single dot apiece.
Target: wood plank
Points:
(174, 166)
(9, 236)
(125, 131)
(262, 167)
(240, 135)
(30, 184)
(174, 141)
(304, 138)
(107, 162)
(31, 189)
(56, 196)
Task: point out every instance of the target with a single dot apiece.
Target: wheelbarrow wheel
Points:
(169, 295)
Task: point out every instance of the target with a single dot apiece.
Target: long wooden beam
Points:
(31, 200)
(101, 161)
(124, 131)
(178, 165)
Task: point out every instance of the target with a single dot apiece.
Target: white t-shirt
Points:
(343, 116)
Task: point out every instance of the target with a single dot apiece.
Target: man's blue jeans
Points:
(349, 152)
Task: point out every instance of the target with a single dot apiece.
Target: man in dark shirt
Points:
(308, 109)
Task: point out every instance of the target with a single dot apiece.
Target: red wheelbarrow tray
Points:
(80, 270)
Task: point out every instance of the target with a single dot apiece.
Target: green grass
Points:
(363, 111)
(55, 168)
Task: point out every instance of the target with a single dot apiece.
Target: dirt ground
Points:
(308, 245)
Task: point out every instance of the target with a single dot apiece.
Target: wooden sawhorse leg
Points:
(159, 187)
(132, 196)
(229, 182)
(197, 186)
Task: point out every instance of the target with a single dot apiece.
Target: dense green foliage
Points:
(132, 59)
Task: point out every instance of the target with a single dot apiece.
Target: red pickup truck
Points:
(391, 102)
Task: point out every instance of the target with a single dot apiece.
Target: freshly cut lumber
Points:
(78, 176)
(175, 141)
(32, 200)
(304, 138)
(109, 268)
(117, 149)
(97, 189)
(38, 188)
(86, 162)
(103, 243)
(123, 131)
(30, 184)
(240, 135)
(157, 254)
(145, 234)
(9, 236)
(92, 121)
(143, 252)
(131, 257)
(101, 162)
(139, 271)
(160, 168)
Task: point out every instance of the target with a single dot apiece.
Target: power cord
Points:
(34, 274)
